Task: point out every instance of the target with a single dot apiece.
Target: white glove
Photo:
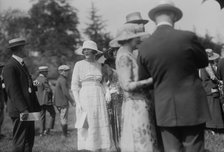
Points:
(108, 96)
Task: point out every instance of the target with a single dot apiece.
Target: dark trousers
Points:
(23, 135)
(183, 139)
(50, 109)
(1, 119)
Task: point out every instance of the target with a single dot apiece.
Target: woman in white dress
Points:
(138, 133)
(90, 97)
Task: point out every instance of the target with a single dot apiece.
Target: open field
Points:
(55, 142)
(50, 143)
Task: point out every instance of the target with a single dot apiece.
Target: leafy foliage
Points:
(207, 42)
(13, 23)
(96, 29)
(54, 28)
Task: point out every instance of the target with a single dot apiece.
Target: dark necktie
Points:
(22, 63)
(28, 76)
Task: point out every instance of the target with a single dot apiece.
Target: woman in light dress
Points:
(138, 132)
(90, 97)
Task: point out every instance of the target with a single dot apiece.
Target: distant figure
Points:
(63, 97)
(22, 96)
(211, 77)
(3, 99)
(90, 98)
(44, 95)
(172, 57)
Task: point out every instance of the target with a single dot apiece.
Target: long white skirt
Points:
(97, 135)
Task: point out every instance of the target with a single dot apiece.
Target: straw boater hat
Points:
(63, 68)
(136, 18)
(165, 5)
(211, 54)
(88, 44)
(17, 42)
(129, 31)
(43, 68)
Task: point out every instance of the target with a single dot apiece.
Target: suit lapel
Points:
(20, 67)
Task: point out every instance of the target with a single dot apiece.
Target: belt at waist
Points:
(91, 83)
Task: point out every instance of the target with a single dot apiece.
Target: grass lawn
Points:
(50, 143)
(55, 142)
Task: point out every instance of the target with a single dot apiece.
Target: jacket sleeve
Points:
(220, 70)
(201, 58)
(75, 84)
(14, 89)
(65, 91)
(143, 73)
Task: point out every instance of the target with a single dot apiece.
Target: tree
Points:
(96, 29)
(13, 23)
(54, 28)
(207, 42)
(54, 34)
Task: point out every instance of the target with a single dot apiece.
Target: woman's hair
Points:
(93, 51)
(124, 41)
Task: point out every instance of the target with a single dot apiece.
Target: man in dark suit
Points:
(173, 57)
(44, 95)
(2, 100)
(22, 97)
(220, 76)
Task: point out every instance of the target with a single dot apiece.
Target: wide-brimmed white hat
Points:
(135, 17)
(166, 5)
(211, 54)
(17, 42)
(88, 44)
(114, 44)
(129, 31)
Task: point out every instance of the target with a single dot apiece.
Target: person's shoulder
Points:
(221, 62)
(123, 59)
(185, 33)
(9, 65)
(41, 78)
(122, 54)
(61, 79)
(78, 63)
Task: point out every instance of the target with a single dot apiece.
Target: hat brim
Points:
(165, 7)
(114, 44)
(213, 57)
(138, 21)
(123, 38)
(17, 44)
(79, 51)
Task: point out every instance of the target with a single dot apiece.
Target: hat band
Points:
(17, 43)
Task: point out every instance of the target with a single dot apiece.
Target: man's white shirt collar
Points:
(164, 23)
(19, 59)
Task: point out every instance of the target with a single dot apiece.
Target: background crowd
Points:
(131, 99)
